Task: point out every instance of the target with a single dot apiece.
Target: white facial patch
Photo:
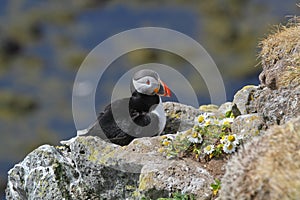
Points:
(145, 85)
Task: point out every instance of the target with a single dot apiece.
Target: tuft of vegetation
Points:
(211, 137)
(281, 51)
(216, 187)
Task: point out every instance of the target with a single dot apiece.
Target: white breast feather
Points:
(160, 112)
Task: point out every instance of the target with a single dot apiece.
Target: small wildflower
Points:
(201, 118)
(207, 122)
(229, 147)
(216, 122)
(231, 138)
(166, 142)
(209, 149)
(227, 121)
(196, 128)
(195, 137)
(164, 137)
(224, 139)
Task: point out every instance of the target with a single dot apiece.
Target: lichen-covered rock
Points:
(277, 106)
(209, 108)
(280, 58)
(187, 177)
(267, 168)
(242, 99)
(91, 168)
(229, 107)
(248, 126)
(180, 117)
(43, 174)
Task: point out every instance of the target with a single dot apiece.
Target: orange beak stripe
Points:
(167, 91)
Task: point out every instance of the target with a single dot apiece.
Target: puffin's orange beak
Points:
(163, 90)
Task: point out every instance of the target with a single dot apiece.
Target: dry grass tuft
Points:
(268, 168)
(280, 55)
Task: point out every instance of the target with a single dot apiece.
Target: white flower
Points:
(229, 147)
(208, 122)
(209, 149)
(227, 121)
(216, 122)
(201, 119)
(223, 139)
(167, 139)
(232, 139)
(195, 137)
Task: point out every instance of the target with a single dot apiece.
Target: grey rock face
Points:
(93, 169)
(43, 174)
(248, 126)
(277, 106)
(229, 106)
(243, 98)
(180, 117)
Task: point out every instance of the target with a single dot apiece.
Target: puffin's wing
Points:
(107, 121)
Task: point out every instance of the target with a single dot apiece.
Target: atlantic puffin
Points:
(140, 115)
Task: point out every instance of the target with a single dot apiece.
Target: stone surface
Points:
(267, 168)
(248, 126)
(43, 174)
(180, 117)
(243, 98)
(277, 106)
(229, 107)
(93, 169)
(208, 108)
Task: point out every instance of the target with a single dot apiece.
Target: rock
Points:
(248, 126)
(209, 108)
(280, 58)
(180, 117)
(277, 106)
(187, 177)
(267, 168)
(243, 99)
(229, 107)
(93, 169)
(43, 174)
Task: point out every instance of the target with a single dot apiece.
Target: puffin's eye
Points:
(148, 82)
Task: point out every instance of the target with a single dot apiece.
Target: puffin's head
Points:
(147, 82)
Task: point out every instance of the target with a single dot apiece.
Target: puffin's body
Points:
(140, 115)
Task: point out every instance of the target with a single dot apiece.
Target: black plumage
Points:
(113, 123)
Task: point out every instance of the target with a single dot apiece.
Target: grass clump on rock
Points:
(280, 56)
(268, 167)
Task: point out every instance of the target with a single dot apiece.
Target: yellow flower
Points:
(195, 134)
(201, 118)
(229, 147)
(164, 137)
(209, 149)
(231, 138)
(207, 122)
(166, 142)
